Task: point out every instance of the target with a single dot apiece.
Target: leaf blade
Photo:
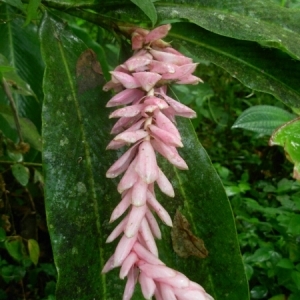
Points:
(147, 8)
(262, 119)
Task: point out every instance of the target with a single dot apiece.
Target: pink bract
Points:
(147, 124)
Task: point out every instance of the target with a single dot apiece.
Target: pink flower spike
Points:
(122, 163)
(179, 280)
(146, 255)
(123, 249)
(115, 145)
(109, 265)
(125, 97)
(117, 231)
(152, 100)
(137, 41)
(163, 122)
(122, 206)
(157, 33)
(123, 123)
(112, 85)
(147, 80)
(164, 184)
(165, 136)
(136, 216)
(166, 57)
(128, 263)
(146, 165)
(158, 208)
(126, 80)
(148, 286)
(131, 136)
(180, 109)
(134, 63)
(127, 111)
(157, 271)
(160, 44)
(130, 284)
(158, 295)
(128, 179)
(196, 286)
(161, 67)
(153, 224)
(182, 72)
(167, 291)
(188, 294)
(148, 237)
(170, 153)
(190, 79)
(139, 193)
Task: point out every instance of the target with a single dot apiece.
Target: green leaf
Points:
(246, 61)
(16, 3)
(32, 10)
(21, 173)
(16, 83)
(15, 248)
(75, 161)
(294, 225)
(259, 292)
(77, 192)
(285, 263)
(278, 297)
(2, 234)
(288, 136)
(148, 8)
(260, 21)
(296, 278)
(263, 119)
(29, 131)
(34, 250)
(21, 48)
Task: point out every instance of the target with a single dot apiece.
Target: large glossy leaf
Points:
(288, 137)
(230, 46)
(21, 47)
(263, 119)
(262, 21)
(250, 63)
(79, 199)
(76, 193)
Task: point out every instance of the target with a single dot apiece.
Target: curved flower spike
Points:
(148, 121)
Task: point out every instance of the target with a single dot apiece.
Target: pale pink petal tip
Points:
(128, 263)
(136, 216)
(123, 249)
(148, 286)
(109, 265)
(157, 33)
(130, 284)
(146, 165)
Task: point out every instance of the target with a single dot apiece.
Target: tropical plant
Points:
(53, 116)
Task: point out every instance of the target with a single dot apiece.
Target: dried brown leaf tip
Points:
(185, 243)
(88, 71)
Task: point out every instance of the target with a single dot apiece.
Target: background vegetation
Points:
(264, 197)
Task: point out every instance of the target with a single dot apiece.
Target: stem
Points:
(23, 163)
(13, 108)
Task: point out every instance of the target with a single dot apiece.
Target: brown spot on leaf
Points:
(185, 243)
(88, 71)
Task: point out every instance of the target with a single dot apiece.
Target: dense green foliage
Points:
(54, 130)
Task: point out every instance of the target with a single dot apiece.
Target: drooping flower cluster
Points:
(146, 122)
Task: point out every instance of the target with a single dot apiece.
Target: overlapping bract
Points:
(146, 124)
